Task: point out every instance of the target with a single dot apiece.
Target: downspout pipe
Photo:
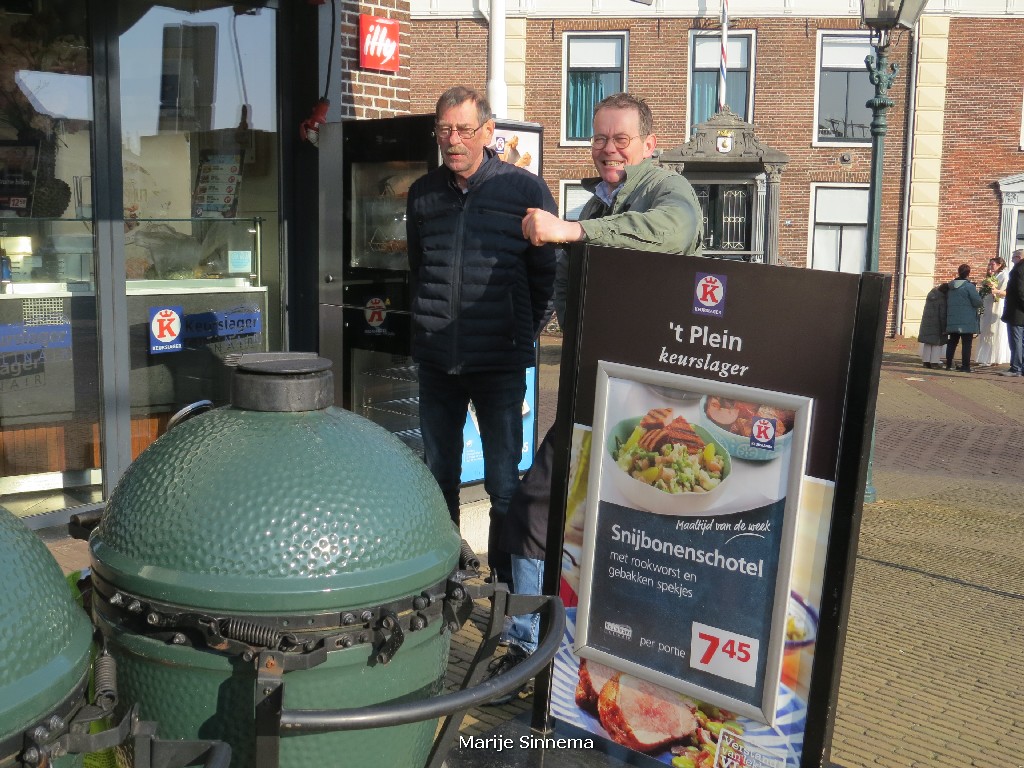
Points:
(497, 88)
(908, 165)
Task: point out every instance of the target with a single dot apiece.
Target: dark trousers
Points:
(497, 398)
(966, 342)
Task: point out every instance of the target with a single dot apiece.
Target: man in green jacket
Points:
(636, 205)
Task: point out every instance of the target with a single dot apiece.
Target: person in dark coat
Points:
(1013, 314)
(962, 320)
(932, 333)
(480, 293)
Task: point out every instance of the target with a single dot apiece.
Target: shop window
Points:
(844, 89)
(705, 61)
(574, 197)
(595, 67)
(187, 77)
(839, 233)
(726, 209)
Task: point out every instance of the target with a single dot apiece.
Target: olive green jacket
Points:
(656, 210)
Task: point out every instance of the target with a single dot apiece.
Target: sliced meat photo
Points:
(643, 716)
(593, 677)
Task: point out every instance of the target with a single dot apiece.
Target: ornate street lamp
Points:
(882, 16)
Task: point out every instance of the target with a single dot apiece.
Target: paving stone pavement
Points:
(932, 673)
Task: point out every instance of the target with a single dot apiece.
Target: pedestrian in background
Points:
(993, 348)
(932, 333)
(480, 292)
(962, 304)
(1013, 314)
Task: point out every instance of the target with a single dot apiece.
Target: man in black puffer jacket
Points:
(480, 295)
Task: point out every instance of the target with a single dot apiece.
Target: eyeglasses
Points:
(444, 131)
(620, 140)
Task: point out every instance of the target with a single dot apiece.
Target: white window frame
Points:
(1022, 123)
(811, 210)
(751, 35)
(822, 34)
(563, 186)
(563, 112)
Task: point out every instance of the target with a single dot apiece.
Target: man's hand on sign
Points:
(541, 227)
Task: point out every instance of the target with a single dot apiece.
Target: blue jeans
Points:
(497, 397)
(1016, 334)
(528, 579)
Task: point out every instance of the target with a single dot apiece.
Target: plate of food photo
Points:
(662, 463)
(731, 422)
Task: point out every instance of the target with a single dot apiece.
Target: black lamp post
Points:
(881, 16)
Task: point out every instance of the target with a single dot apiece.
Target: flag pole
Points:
(723, 66)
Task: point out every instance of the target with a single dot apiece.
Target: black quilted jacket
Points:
(480, 290)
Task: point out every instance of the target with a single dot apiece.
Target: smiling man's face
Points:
(611, 161)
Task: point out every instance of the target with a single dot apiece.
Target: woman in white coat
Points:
(993, 348)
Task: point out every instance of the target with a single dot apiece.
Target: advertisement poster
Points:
(692, 512)
(17, 177)
(217, 184)
(709, 412)
(473, 452)
(519, 146)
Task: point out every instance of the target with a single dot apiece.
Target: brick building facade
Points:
(954, 131)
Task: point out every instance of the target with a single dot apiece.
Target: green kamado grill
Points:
(45, 647)
(278, 553)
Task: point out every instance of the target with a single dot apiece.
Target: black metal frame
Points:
(260, 640)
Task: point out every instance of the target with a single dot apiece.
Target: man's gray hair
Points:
(458, 95)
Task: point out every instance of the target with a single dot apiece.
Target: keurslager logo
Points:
(709, 295)
(762, 433)
(165, 329)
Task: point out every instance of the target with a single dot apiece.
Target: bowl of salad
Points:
(663, 464)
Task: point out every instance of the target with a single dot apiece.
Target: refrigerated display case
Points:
(367, 167)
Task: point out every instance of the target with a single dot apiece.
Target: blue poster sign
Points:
(214, 324)
(27, 338)
(473, 453)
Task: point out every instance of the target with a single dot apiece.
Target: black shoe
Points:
(962, 369)
(949, 366)
(512, 658)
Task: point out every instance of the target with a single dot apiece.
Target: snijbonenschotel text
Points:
(639, 540)
(701, 336)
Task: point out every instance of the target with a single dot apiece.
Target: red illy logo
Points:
(165, 326)
(378, 43)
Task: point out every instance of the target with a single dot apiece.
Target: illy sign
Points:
(378, 43)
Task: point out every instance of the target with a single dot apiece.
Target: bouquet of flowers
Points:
(987, 285)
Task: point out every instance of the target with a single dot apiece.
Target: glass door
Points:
(139, 210)
(200, 185)
(49, 382)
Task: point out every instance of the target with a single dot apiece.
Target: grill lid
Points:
(276, 510)
(45, 637)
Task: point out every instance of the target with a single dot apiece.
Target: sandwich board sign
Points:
(711, 478)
